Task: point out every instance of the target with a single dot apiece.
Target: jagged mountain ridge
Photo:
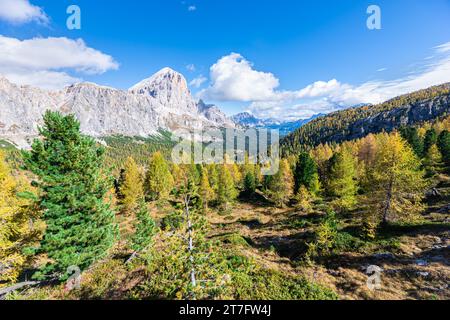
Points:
(349, 124)
(162, 101)
(247, 120)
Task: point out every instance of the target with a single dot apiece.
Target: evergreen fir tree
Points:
(80, 224)
(429, 140)
(444, 148)
(411, 135)
(249, 183)
(306, 174)
(144, 228)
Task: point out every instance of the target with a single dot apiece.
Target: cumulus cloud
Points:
(197, 82)
(192, 8)
(233, 78)
(43, 79)
(21, 11)
(44, 62)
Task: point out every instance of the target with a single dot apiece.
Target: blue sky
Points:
(285, 59)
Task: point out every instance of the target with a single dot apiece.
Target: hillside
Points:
(256, 237)
(354, 123)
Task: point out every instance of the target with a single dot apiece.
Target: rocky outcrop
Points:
(162, 101)
(406, 115)
(353, 123)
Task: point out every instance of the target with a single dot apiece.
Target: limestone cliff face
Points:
(162, 101)
(409, 114)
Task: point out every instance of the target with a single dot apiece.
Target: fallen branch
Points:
(132, 257)
(5, 291)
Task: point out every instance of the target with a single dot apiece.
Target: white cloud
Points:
(43, 79)
(443, 48)
(190, 67)
(318, 88)
(21, 11)
(234, 79)
(192, 8)
(197, 82)
(44, 62)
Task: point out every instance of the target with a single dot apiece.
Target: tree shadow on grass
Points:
(256, 199)
(397, 229)
(292, 247)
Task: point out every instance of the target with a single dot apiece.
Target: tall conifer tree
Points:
(131, 187)
(159, 181)
(80, 223)
(306, 174)
(342, 183)
(397, 183)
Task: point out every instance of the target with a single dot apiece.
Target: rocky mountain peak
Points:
(169, 88)
(162, 101)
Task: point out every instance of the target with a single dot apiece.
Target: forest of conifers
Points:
(85, 221)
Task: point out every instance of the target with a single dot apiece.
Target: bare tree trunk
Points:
(190, 239)
(388, 205)
(17, 286)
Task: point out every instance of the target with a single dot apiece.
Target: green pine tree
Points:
(411, 135)
(80, 223)
(144, 228)
(249, 183)
(429, 140)
(444, 148)
(306, 174)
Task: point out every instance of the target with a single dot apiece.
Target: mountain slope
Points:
(349, 124)
(162, 101)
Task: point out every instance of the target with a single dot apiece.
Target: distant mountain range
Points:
(247, 120)
(162, 101)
